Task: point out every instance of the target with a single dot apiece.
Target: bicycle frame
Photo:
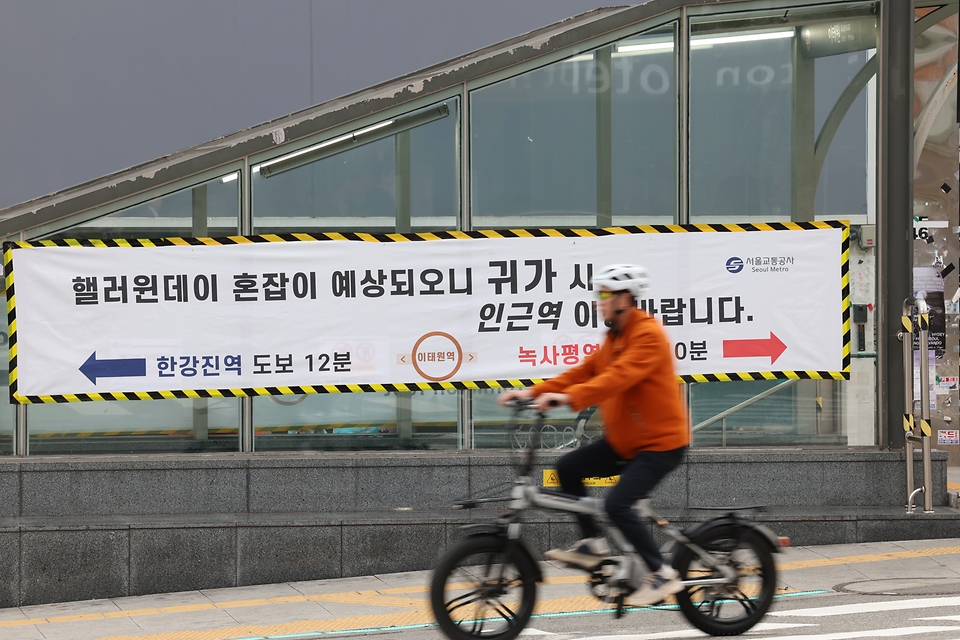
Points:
(526, 495)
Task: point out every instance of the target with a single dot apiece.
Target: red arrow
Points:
(759, 348)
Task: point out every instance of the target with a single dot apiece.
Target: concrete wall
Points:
(114, 526)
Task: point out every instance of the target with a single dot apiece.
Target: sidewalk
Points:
(398, 601)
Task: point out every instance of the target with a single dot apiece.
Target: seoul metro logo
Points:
(734, 265)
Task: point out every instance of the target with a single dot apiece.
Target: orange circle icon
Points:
(435, 353)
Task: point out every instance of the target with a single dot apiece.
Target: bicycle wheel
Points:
(728, 609)
(479, 590)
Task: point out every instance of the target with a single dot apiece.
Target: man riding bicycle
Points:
(645, 436)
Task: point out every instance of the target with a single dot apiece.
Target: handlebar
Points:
(523, 404)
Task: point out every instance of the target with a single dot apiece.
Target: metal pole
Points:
(466, 420)
(21, 441)
(246, 228)
(683, 95)
(923, 320)
(894, 203)
(906, 336)
(603, 71)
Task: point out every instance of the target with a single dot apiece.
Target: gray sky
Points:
(89, 87)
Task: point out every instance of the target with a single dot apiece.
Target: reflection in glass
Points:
(406, 181)
(152, 426)
(740, 96)
(211, 209)
(762, 144)
(357, 421)
(494, 427)
(584, 142)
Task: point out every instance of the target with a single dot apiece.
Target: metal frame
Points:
(140, 198)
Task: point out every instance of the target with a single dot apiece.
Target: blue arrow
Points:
(127, 368)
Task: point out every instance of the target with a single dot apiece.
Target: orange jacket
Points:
(631, 377)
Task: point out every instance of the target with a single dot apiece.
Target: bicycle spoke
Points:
(476, 598)
(748, 604)
(509, 618)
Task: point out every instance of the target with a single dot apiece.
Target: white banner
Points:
(257, 316)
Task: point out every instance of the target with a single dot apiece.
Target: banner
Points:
(114, 319)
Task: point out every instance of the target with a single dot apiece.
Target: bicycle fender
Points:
(703, 528)
(496, 530)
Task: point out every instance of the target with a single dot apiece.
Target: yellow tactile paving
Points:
(412, 599)
(872, 557)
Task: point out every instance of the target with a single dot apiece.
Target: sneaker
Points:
(656, 587)
(585, 554)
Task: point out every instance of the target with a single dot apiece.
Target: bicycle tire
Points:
(473, 588)
(747, 600)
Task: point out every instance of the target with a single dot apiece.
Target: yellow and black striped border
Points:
(9, 247)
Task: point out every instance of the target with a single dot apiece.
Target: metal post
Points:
(906, 336)
(402, 181)
(894, 203)
(466, 420)
(602, 71)
(246, 228)
(682, 38)
(803, 189)
(923, 322)
(21, 439)
(246, 425)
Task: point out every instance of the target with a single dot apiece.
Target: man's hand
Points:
(513, 394)
(547, 401)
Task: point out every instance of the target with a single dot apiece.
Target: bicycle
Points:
(485, 586)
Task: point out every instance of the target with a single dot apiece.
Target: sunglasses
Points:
(606, 295)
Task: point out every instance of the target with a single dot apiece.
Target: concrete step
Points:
(66, 558)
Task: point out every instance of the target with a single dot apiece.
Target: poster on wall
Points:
(356, 312)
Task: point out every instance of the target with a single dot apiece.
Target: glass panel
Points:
(211, 209)
(405, 181)
(774, 135)
(154, 426)
(357, 421)
(8, 418)
(801, 413)
(842, 188)
(759, 98)
(208, 209)
(584, 142)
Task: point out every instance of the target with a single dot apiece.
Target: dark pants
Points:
(638, 477)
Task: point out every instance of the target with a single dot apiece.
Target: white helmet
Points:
(623, 277)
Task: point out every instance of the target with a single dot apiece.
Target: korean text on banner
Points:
(450, 310)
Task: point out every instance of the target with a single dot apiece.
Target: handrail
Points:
(746, 403)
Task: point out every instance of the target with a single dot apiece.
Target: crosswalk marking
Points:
(870, 607)
(693, 633)
(872, 633)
